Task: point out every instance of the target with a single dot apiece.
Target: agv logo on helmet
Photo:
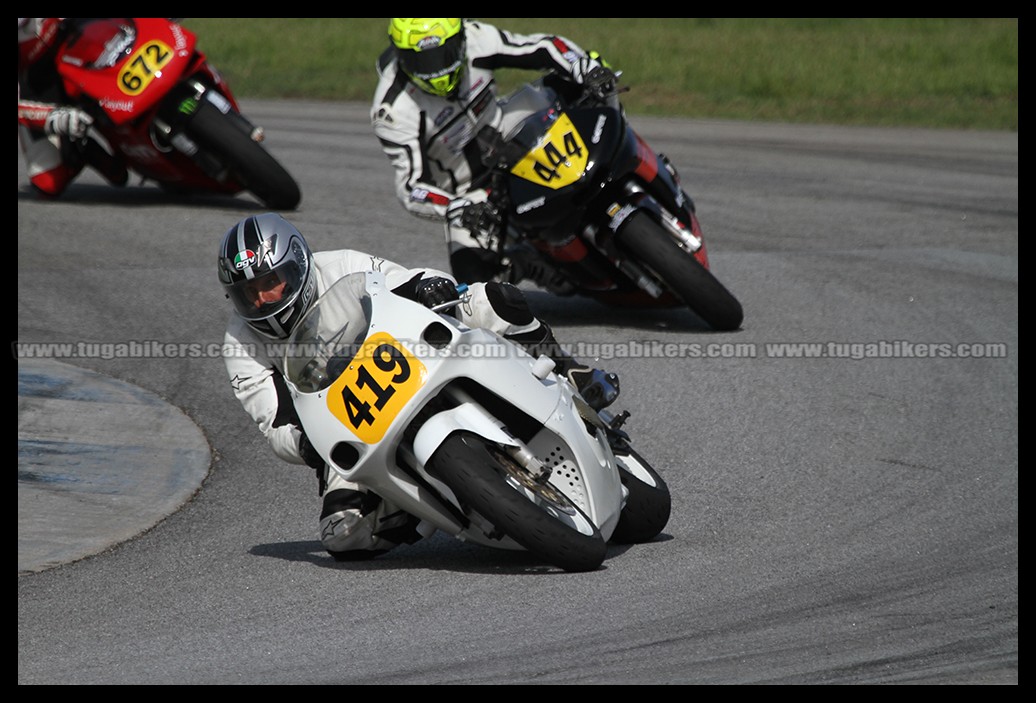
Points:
(248, 258)
(244, 259)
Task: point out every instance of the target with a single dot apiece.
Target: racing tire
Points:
(681, 273)
(250, 164)
(539, 518)
(648, 504)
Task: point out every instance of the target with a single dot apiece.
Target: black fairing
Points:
(607, 149)
(615, 155)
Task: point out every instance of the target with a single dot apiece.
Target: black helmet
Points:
(266, 269)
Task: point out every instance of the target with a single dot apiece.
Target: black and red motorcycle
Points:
(165, 111)
(581, 193)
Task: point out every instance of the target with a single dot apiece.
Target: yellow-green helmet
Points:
(430, 51)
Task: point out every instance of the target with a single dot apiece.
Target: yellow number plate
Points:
(379, 381)
(142, 67)
(558, 160)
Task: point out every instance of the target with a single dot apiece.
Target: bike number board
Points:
(377, 384)
(144, 66)
(558, 160)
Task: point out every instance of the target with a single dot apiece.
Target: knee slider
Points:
(348, 499)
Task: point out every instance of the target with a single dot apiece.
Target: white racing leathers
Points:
(430, 140)
(351, 520)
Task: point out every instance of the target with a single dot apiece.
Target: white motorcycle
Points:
(465, 430)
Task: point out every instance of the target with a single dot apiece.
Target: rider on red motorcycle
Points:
(436, 93)
(48, 126)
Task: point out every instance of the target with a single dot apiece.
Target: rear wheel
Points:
(537, 516)
(680, 271)
(648, 504)
(251, 165)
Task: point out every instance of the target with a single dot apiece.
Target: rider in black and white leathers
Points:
(430, 140)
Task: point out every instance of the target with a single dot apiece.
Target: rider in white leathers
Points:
(270, 275)
(436, 93)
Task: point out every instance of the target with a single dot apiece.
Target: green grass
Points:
(920, 72)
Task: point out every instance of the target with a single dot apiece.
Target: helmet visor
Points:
(262, 296)
(435, 62)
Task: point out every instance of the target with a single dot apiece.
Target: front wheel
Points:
(694, 284)
(537, 516)
(250, 164)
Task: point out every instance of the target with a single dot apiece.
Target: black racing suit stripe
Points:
(286, 413)
(539, 59)
(425, 158)
(386, 58)
(397, 87)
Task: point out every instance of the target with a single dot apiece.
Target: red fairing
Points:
(700, 255)
(127, 79)
(647, 169)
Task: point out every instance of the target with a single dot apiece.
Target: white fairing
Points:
(468, 417)
(372, 448)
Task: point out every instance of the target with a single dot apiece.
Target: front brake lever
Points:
(462, 288)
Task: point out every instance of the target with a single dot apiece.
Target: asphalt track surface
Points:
(843, 513)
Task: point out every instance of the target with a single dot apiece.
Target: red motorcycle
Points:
(166, 113)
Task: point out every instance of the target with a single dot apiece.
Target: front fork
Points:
(168, 129)
(636, 198)
(516, 448)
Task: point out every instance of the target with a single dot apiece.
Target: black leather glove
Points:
(309, 453)
(600, 82)
(436, 291)
(481, 218)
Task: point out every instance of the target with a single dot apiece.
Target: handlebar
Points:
(462, 288)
